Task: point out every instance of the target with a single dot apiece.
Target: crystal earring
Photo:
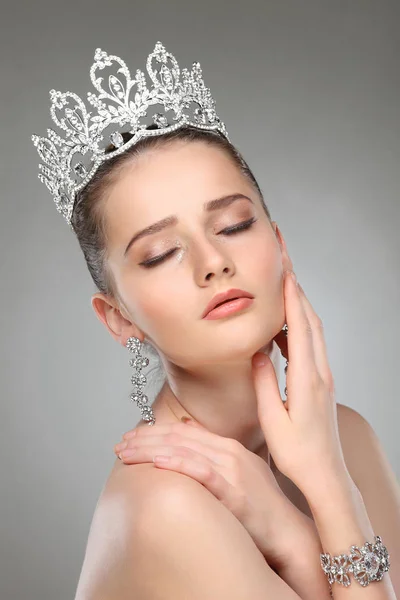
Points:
(285, 329)
(139, 380)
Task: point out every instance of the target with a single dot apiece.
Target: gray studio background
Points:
(309, 92)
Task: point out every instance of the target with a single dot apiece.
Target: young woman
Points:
(258, 494)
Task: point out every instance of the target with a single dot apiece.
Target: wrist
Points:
(303, 572)
(343, 505)
(303, 544)
(332, 488)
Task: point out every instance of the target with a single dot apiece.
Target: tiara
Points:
(71, 161)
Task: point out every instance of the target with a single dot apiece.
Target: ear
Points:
(286, 260)
(110, 315)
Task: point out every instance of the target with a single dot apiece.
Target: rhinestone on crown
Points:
(121, 107)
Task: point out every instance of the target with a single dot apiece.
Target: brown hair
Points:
(88, 220)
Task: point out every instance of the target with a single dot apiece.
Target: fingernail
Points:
(293, 276)
(121, 446)
(129, 434)
(259, 360)
(186, 420)
(128, 452)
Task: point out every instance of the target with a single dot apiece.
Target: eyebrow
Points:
(209, 206)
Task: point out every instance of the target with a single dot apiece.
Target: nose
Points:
(211, 262)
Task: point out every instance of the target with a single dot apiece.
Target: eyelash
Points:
(228, 231)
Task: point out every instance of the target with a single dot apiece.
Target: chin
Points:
(241, 345)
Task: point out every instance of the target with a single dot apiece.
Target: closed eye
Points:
(240, 227)
(152, 262)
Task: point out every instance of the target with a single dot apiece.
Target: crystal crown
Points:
(72, 160)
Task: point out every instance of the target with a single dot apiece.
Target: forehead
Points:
(177, 177)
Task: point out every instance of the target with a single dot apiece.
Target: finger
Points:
(172, 441)
(186, 420)
(187, 462)
(129, 434)
(201, 471)
(300, 341)
(198, 432)
(320, 350)
(272, 412)
(146, 452)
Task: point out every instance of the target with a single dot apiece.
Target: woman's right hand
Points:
(240, 479)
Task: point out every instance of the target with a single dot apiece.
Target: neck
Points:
(222, 400)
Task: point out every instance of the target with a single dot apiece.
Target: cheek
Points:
(159, 307)
(167, 313)
(262, 261)
(264, 271)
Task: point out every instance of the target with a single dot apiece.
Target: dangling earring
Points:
(285, 329)
(139, 380)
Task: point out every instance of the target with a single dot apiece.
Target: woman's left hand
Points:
(240, 479)
(302, 434)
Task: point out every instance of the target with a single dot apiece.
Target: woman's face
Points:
(166, 301)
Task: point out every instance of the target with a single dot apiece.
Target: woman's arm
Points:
(159, 534)
(376, 481)
(187, 546)
(303, 438)
(342, 521)
(377, 493)
(303, 572)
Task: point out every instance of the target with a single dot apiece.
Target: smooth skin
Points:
(242, 481)
(146, 539)
(228, 471)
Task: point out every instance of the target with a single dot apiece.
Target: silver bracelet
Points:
(366, 564)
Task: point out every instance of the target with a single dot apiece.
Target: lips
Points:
(224, 302)
(224, 297)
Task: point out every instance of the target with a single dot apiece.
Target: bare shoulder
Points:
(165, 536)
(362, 448)
(119, 503)
(349, 422)
(347, 417)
